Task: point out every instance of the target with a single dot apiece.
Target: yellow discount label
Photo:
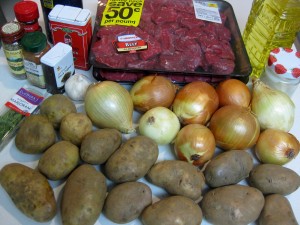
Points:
(122, 12)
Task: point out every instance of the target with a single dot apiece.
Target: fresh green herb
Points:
(8, 121)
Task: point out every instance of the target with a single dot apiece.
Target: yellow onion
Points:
(276, 147)
(152, 91)
(109, 105)
(195, 143)
(160, 124)
(273, 108)
(234, 127)
(195, 103)
(233, 92)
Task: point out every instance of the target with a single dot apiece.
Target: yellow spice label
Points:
(122, 12)
(15, 61)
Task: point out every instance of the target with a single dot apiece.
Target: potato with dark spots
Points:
(274, 179)
(277, 211)
(74, 127)
(30, 191)
(99, 145)
(36, 134)
(55, 107)
(232, 204)
(83, 196)
(59, 160)
(227, 168)
(126, 201)
(177, 178)
(172, 210)
(132, 160)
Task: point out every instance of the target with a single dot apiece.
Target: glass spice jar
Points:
(282, 71)
(35, 45)
(11, 34)
(27, 13)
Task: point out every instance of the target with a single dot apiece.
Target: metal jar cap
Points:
(26, 11)
(285, 63)
(34, 41)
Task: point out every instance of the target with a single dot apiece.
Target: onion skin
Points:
(159, 124)
(195, 143)
(109, 105)
(234, 127)
(276, 147)
(273, 108)
(152, 91)
(195, 103)
(233, 92)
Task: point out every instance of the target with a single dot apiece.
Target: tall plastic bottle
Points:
(271, 24)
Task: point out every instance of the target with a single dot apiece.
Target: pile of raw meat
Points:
(177, 41)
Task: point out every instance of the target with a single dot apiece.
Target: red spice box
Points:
(72, 25)
(168, 39)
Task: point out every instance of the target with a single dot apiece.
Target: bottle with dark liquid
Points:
(48, 5)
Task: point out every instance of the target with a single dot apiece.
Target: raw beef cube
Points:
(171, 62)
(223, 66)
(223, 33)
(154, 48)
(143, 65)
(163, 15)
(120, 75)
(103, 48)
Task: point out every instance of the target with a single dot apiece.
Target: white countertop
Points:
(8, 86)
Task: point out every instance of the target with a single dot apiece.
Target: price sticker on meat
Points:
(122, 12)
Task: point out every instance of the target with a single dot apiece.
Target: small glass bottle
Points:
(27, 13)
(283, 70)
(11, 34)
(35, 45)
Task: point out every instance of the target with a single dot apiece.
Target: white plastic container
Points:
(58, 66)
(283, 70)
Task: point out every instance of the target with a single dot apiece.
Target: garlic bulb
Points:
(273, 108)
(76, 87)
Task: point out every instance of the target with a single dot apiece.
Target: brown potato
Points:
(55, 107)
(97, 146)
(132, 160)
(126, 201)
(59, 160)
(178, 178)
(29, 190)
(274, 179)
(229, 167)
(232, 204)
(277, 211)
(173, 210)
(35, 135)
(74, 127)
(83, 196)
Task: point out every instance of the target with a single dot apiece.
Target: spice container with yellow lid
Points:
(283, 70)
(11, 34)
(35, 45)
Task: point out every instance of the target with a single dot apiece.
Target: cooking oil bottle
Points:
(271, 24)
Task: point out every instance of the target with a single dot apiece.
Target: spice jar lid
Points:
(34, 41)
(11, 32)
(285, 62)
(26, 11)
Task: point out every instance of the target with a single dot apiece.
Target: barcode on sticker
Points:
(207, 11)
